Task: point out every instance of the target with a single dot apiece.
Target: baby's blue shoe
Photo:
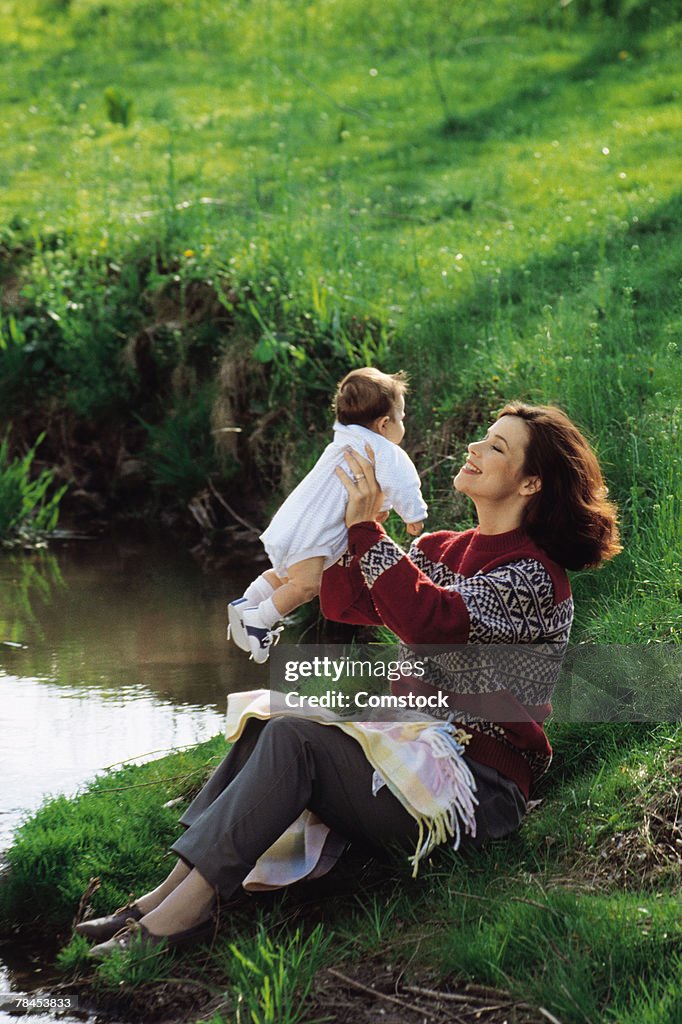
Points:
(260, 637)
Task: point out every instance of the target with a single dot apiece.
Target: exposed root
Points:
(368, 992)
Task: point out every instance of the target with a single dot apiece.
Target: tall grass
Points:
(27, 508)
(272, 978)
(456, 197)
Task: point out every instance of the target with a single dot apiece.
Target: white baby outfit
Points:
(311, 522)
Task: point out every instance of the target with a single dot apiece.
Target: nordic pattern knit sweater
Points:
(476, 590)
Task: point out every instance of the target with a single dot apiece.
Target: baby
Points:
(308, 532)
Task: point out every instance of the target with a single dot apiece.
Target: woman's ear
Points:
(532, 485)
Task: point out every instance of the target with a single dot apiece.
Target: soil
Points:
(373, 992)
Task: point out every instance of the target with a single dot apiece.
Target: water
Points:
(109, 651)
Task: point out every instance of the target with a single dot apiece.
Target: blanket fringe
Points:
(441, 799)
(458, 789)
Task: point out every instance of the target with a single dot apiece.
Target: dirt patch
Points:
(371, 992)
(376, 990)
(649, 854)
(11, 298)
(174, 1002)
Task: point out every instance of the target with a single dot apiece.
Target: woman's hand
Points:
(365, 497)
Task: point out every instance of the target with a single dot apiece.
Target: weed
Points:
(272, 978)
(14, 364)
(74, 956)
(137, 965)
(180, 450)
(27, 509)
(118, 106)
(378, 913)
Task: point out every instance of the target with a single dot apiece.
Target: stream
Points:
(110, 650)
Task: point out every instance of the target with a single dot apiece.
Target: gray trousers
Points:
(282, 766)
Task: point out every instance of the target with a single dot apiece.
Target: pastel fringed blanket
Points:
(418, 759)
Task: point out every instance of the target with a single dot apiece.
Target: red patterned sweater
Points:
(467, 589)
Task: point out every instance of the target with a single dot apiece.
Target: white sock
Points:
(259, 590)
(268, 613)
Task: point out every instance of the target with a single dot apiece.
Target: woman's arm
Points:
(513, 603)
(344, 596)
(379, 584)
(404, 598)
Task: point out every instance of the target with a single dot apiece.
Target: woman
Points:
(542, 508)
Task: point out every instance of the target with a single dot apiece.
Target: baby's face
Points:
(394, 428)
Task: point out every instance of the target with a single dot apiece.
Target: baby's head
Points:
(374, 400)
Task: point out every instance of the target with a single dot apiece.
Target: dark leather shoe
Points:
(136, 932)
(102, 928)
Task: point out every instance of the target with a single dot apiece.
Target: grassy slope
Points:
(500, 195)
(578, 913)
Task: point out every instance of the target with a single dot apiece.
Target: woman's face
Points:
(494, 465)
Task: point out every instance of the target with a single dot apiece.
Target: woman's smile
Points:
(498, 460)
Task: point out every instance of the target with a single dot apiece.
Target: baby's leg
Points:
(302, 585)
(263, 587)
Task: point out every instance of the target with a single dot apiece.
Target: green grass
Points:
(578, 912)
(117, 831)
(272, 978)
(211, 211)
(28, 510)
(208, 213)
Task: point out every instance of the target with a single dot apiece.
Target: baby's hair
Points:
(365, 395)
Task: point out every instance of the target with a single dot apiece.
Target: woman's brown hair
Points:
(570, 517)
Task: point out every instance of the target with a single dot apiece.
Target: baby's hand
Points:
(414, 529)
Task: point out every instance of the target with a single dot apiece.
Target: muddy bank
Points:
(142, 383)
(184, 449)
(190, 403)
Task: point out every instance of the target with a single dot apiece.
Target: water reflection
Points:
(109, 651)
(55, 737)
(107, 616)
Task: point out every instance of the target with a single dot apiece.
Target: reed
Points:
(27, 508)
